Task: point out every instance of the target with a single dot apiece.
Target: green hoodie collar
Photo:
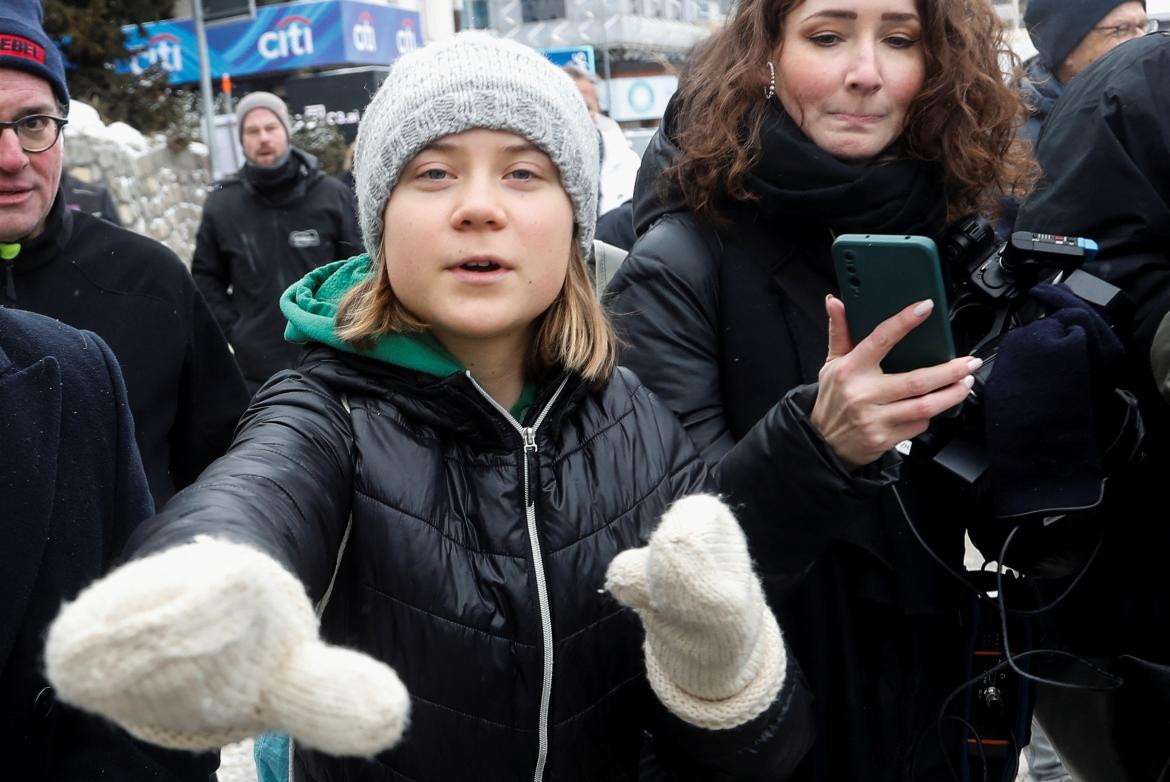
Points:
(311, 308)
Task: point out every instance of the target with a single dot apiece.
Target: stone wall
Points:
(159, 192)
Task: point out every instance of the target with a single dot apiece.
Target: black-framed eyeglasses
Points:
(1129, 30)
(36, 132)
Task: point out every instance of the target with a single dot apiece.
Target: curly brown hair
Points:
(966, 117)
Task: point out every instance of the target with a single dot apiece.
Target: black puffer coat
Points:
(441, 574)
(727, 327)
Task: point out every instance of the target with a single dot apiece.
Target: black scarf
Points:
(275, 179)
(798, 182)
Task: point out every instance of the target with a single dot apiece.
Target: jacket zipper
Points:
(528, 439)
(9, 282)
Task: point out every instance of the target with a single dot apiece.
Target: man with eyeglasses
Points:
(185, 391)
(1069, 35)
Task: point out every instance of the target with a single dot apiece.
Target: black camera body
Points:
(988, 281)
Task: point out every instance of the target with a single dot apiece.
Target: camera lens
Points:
(849, 256)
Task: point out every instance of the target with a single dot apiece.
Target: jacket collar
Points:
(302, 171)
(450, 404)
(49, 244)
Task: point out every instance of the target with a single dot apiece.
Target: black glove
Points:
(1050, 408)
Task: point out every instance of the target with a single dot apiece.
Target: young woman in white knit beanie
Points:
(467, 488)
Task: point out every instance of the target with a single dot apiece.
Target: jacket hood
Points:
(311, 306)
(1040, 88)
(654, 195)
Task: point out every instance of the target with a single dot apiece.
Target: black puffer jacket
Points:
(727, 327)
(439, 578)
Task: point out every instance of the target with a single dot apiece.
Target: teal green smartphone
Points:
(880, 275)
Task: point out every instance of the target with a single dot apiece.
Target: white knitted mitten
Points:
(714, 655)
(211, 642)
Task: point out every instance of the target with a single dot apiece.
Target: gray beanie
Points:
(474, 81)
(1057, 27)
(263, 100)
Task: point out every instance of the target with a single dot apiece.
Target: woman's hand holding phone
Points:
(861, 411)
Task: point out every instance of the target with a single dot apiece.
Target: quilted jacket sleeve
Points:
(792, 494)
(283, 488)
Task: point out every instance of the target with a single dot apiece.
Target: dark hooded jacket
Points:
(1107, 177)
(71, 490)
(263, 230)
(185, 391)
(439, 578)
(1040, 89)
(726, 325)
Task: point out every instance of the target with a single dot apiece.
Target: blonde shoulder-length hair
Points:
(573, 333)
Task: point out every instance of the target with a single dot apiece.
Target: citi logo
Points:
(405, 39)
(293, 36)
(364, 39)
(163, 49)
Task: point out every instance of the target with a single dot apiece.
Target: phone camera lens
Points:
(849, 256)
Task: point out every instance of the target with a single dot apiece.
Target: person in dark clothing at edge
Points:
(802, 121)
(1107, 177)
(90, 197)
(461, 471)
(1069, 35)
(278, 219)
(185, 391)
(72, 489)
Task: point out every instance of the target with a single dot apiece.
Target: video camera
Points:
(988, 280)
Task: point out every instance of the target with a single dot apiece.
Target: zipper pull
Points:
(530, 449)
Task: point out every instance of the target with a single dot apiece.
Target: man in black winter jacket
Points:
(262, 230)
(185, 391)
(1069, 35)
(1107, 177)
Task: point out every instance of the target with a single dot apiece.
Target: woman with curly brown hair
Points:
(799, 121)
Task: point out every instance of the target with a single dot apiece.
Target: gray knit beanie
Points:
(262, 100)
(1058, 26)
(474, 81)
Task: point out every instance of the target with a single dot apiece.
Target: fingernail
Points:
(828, 298)
(969, 381)
(974, 364)
(923, 307)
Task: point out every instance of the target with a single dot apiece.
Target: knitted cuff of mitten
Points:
(769, 661)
